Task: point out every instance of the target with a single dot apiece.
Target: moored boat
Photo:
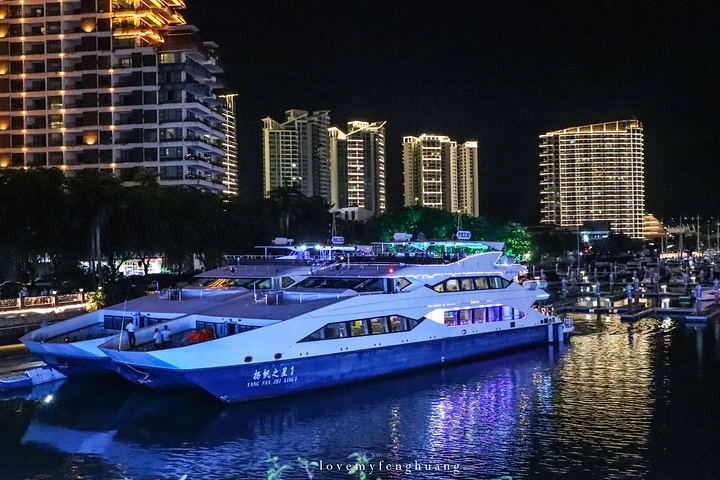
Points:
(71, 346)
(353, 322)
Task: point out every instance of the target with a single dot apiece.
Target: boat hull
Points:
(71, 359)
(247, 382)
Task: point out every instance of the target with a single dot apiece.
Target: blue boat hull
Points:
(255, 381)
(72, 366)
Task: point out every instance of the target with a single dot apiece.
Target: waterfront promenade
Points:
(20, 315)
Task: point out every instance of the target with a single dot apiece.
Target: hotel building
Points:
(440, 174)
(357, 166)
(112, 85)
(594, 173)
(297, 153)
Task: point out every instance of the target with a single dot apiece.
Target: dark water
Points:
(621, 401)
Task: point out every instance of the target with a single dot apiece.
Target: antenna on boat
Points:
(122, 326)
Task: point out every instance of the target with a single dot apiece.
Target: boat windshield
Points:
(357, 284)
(249, 283)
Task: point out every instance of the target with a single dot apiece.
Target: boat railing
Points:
(282, 297)
(170, 294)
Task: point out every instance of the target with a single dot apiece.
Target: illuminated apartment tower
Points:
(357, 166)
(230, 180)
(441, 174)
(297, 152)
(595, 172)
(429, 164)
(468, 186)
(110, 85)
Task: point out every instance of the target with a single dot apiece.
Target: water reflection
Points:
(589, 410)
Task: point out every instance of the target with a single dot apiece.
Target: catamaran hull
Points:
(69, 358)
(247, 382)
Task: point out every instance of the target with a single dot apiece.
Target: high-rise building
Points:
(357, 166)
(439, 174)
(593, 173)
(297, 152)
(230, 180)
(112, 85)
(468, 182)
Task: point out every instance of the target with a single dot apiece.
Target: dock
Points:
(651, 300)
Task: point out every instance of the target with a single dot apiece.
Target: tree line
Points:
(46, 215)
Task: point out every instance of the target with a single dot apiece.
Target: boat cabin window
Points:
(360, 328)
(395, 323)
(403, 282)
(495, 313)
(223, 329)
(333, 330)
(377, 325)
(287, 281)
(471, 283)
(115, 322)
(357, 284)
(357, 328)
(145, 321)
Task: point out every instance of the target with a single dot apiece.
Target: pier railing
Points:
(43, 301)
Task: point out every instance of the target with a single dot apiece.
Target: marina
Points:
(301, 323)
(358, 241)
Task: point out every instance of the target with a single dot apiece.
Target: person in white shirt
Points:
(165, 337)
(158, 339)
(130, 328)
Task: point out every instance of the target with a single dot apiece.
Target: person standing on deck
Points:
(130, 328)
(165, 337)
(158, 339)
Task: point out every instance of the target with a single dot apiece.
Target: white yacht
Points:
(349, 322)
(71, 346)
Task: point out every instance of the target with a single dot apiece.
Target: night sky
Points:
(501, 74)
